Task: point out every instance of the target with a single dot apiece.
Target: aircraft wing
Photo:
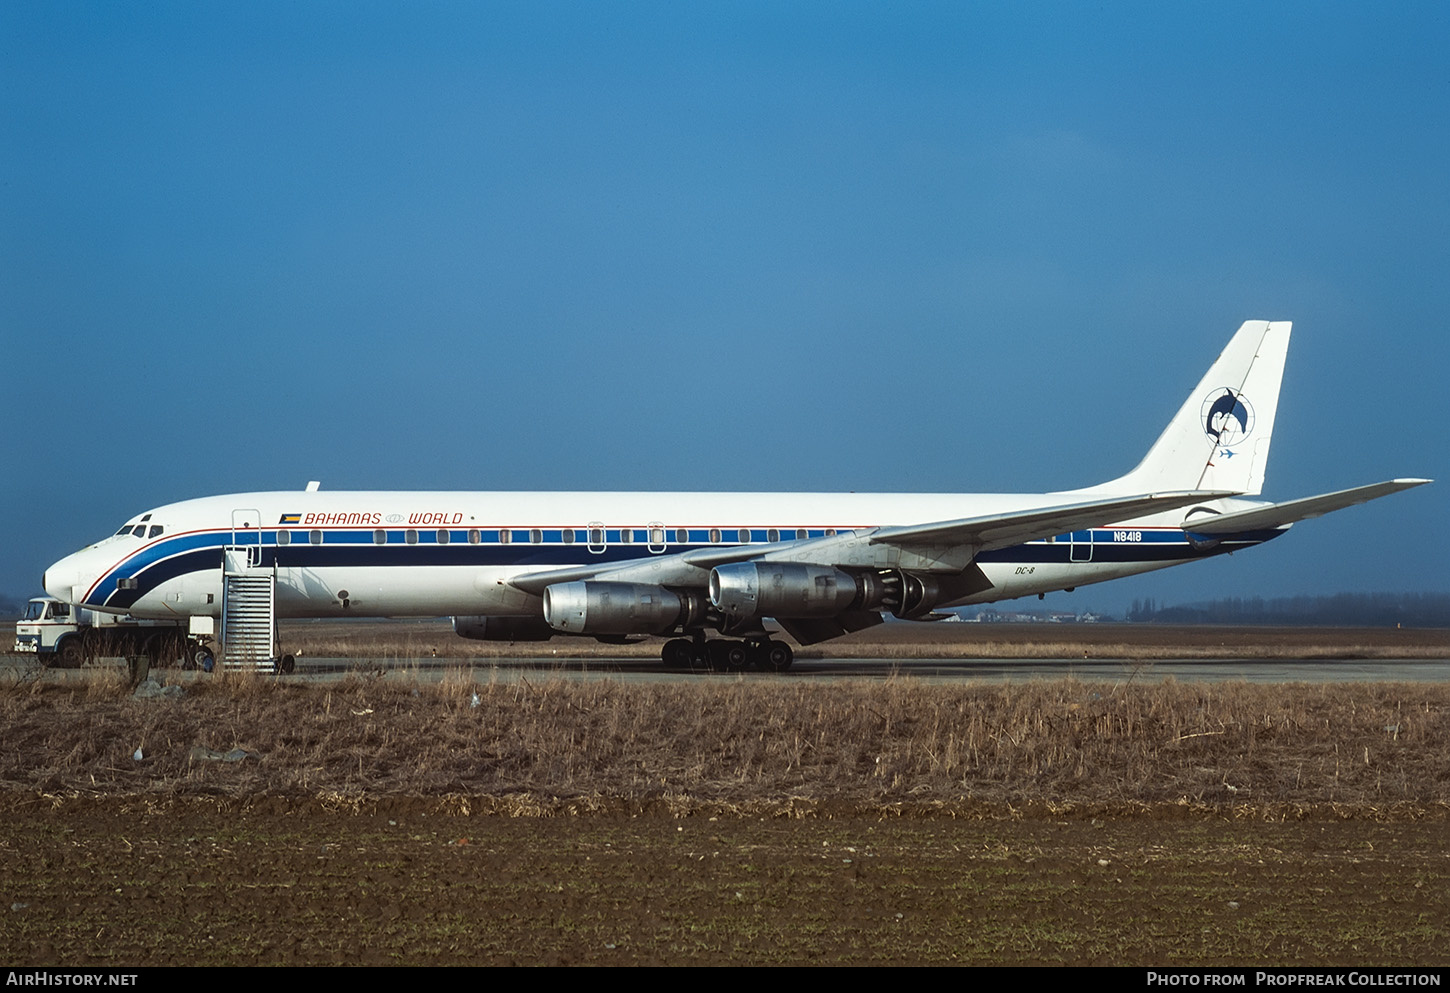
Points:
(1004, 530)
(978, 533)
(663, 569)
(1280, 514)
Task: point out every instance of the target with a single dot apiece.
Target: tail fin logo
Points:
(1227, 417)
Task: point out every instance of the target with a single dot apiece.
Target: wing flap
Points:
(1281, 514)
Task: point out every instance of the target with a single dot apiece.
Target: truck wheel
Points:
(69, 654)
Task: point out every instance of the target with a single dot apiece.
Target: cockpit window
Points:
(139, 530)
(156, 530)
(125, 530)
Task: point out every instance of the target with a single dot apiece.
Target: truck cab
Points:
(45, 622)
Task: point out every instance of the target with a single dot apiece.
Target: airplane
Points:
(617, 565)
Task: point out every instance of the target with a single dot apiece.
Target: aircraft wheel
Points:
(286, 665)
(737, 656)
(200, 657)
(727, 656)
(677, 653)
(776, 656)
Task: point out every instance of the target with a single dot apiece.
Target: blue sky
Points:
(945, 247)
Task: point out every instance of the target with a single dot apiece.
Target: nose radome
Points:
(59, 579)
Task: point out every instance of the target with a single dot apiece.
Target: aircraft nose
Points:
(60, 577)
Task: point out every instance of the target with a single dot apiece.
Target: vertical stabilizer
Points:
(1219, 439)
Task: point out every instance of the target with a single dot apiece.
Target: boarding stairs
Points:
(249, 611)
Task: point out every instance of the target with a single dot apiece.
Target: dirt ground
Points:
(405, 881)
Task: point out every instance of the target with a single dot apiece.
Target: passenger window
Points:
(315, 537)
(743, 535)
(681, 536)
(475, 536)
(596, 536)
(380, 537)
(830, 532)
(536, 536)
(773, 534)
(410, 536)
(714, 536)
(284, 537)
(800, 533)
(626, 535)
(568, 535)
(656, 536)
(443, 537)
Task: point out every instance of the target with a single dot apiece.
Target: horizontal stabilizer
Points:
(1003, 530)
(1279, 514)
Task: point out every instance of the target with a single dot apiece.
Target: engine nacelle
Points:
(528, 627)
(781, 589)
(611, 608)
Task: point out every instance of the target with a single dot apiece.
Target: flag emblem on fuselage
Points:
(291, 519)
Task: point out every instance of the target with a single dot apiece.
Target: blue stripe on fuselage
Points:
(163, 560)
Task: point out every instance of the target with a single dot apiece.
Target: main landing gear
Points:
(726, 655)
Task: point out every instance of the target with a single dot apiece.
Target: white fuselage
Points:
(438, 553)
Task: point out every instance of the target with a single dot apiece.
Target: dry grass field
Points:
(724, 820)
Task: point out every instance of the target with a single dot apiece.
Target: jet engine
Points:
(614, 608)
(919, 594)
(782, 589)
(793, 590)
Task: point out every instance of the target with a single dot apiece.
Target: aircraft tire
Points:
(677, 653)
(776, 656)
(199, 657)
(727, 656)
(737, 656)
